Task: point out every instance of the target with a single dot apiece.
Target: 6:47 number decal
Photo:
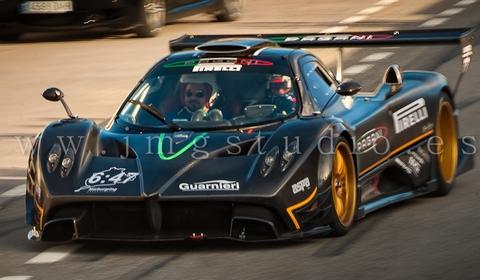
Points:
(106, 180)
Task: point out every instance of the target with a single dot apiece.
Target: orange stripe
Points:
(300, 205)
(409, 143)
(41, 214)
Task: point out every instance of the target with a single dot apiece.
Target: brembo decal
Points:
(107, 180)
(301, 186)
(162, 156)
(410, 115)
(215, 185)
(370, 139)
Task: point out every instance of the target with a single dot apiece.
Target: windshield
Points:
(214, 92)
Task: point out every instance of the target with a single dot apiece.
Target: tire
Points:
(343, 189)
(152, 14)
(230, 10)
(446, 154)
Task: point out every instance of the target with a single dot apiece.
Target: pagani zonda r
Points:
(144, 17)
(243, 138)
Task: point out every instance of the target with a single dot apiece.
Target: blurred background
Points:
(52, 43)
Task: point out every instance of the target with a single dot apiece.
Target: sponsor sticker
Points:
(336, 37)
(214, 185)
(228, 64)
(410, 115)
(301, 185)
(217, 65)
(107, 180)
(370, 139)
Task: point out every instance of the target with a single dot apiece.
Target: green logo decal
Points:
(186, 63)
(162, 156)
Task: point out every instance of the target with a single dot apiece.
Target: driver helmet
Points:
(279, 84)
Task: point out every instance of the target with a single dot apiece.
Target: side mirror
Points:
(393, 78)
(348, 88)
(54, 94)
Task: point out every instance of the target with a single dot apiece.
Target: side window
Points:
(319, 86)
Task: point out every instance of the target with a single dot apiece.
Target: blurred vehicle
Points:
(143, 17)
(246, 139)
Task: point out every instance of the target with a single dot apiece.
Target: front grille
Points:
(133, 220)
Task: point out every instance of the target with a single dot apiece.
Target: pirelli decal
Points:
(410, 115)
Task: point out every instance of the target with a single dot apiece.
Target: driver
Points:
(281, 94)
(195, 96)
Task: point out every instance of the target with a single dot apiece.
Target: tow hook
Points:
(197, 236)
(33, 234)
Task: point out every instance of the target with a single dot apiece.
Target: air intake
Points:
(235, 45)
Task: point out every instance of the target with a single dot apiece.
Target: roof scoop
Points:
(235, 45)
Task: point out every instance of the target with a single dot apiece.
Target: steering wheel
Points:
(213, 115)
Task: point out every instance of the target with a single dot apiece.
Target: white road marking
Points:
(353, 19)
(335, 29)
(451, 12)
(377, 56)
(14, 192)
(434, 22)
(386, 2)
(17, 277)
(12, 177)
(371, 10)
(357, 69)
(53, 254)
(465, 2)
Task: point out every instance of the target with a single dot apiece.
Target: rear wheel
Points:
(152, 15)
(343, 189)
(230, 10)
(446, 148)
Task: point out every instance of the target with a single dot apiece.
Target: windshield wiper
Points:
(155, 113)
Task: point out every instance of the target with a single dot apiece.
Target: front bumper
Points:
(155, 221)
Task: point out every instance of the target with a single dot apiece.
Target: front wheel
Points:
(230, 10)
(343, 189)
(152, 15)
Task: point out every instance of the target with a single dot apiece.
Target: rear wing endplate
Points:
(454, 36)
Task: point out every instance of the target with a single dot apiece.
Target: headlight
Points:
(67, 162)
(288, 155)
(269, 161)
(54, 158)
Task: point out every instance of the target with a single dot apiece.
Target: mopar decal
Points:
(301, 185)
(370, 139)
(410, 115)
(215, 185)
(107, 180)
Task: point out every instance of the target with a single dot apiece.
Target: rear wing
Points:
(455, 36)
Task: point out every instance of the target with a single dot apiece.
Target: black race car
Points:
(245, 139)
(144, 17)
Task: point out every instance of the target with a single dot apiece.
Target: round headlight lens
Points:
(66, 163)
(54, 157)
(269, 161)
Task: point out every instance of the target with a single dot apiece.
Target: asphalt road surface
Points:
(426, 238)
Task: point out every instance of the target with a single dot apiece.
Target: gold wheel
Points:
(447, 150)
(344, 185)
